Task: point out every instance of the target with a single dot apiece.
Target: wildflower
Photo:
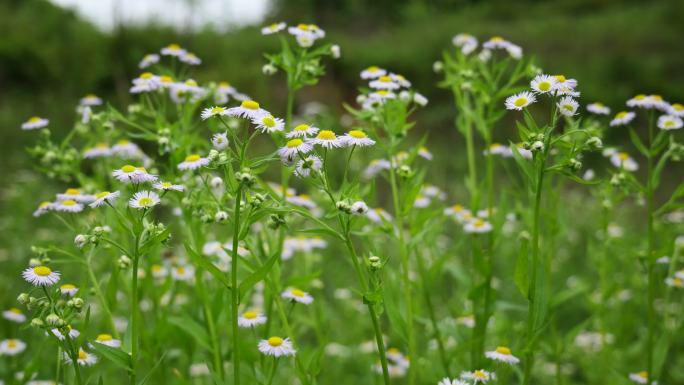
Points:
(159, 271)
(12, 347)
(503, 354)
(400, 79)
(68, 289)
(622, 118)
(183, 273)
(166, 186)
(420, 99)
(213, 111)
(640, 378)
(173, 50)
(75, 194)
(294, 147)
(107, 339)
(375, 167)
(478, 376)
(34, 122)
(520, 100)
(251, 318)
(90, 100)
(84, 358)
(477, 226)
(148, 60)
(308, 164)
(100, 150)
(373, 72)
(326, 139)
(302, 131)
(669, 122)
(268, 123)
(145, 82)
(43, 208)
(381, 96)
(132, 174)
(220, 141)
(13, 314)
(543, 84)
(496, 42)
(276, 347)
(424, 153)
(497, 149)
(447, 381)
(248, 109)
(641, 101)
(378, 215)
(273, 28)
(567, 106)
(305, 41)
(335, 51)
(384, 83)
(104, 197)
(624, 161)
(598, 108)
(126, 149)
(675, 282)
(296, 295)
(676, 109)
(193, 162)
(359, 208)
(356, 138)
(190, 58)
(467, 43)
(310, 31)
(144, 200)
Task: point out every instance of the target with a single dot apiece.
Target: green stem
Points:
(100, 295)
(650, 262)
(234, 287)
(135, 313)
(273, 370)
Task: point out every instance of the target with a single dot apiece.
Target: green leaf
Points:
(660, 353)
(525, 165)
(257, 275)
(117, 356)
(637, 142)
(156, 365)
(192, 328)
(522, 269)
(208, 266)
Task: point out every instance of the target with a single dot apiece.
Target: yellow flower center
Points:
(82, 355)
(480, 375)
(497, 39)
(251, 314)
(250, 105)
(623, 156)
(191, 82)
(104, 337)
(643, 374)
(457, 208)
(326, 135)
(101, 146)
(268, 121)
(373, 69)
(503, 350)
(657, 98)
(678, 107)
(520, 102)
(69, 202)
(393, 351)
(44, 204)
(11, 344)
(297, 293)
(275, 341)
(156, 268)
(560, 78)
(640, 97)
(166, 184)
(67, 286)
(273, 26)
(145, 201)
(14, 310)
(180, 270)
(678, 282)
(146, 75)
(294, 143)
(224, 84)
(72, 191)
(303, 27)
(302, 127)
(141, 169)
(217, 110)
(34, 119)
(165, 79)
(101, 194)
(478, 223)
(42, 271)
(128, 169)
(383, 92)
(544, 86)
(621, 115)
(173, 46)
(358, 134)
(568, 107)
(385, 79)
(669, 123)
(192, 158)
(597, 104)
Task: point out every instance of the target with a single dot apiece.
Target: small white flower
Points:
(277, 347)
(296, 295)
(420, 99)
(292, 148)
(308, 164)
(502, 354)
(273, 28)
(126, 149)
(335, 51)
(379, 215)
(12, 347)
(107, 339)
(213, 111)
(144, 200)
(448, 381)
(674, 282)
(190, 58)
(183, 273)
(84, 358)
(467, 43)
(359, 208)
(302, 131)
(104, 197)
(173, 50)
(148, 60)
(166, 186)
(34, 123)
(251, 318)
(248, 109)
(624, 161)
(132, 174)
(68, 289)
(375, 167)
(598, 108)
(640, 378)
(543, 84)
(326, 139)
(193, 162)
(311, 31)
(567, 106)
(622, 118)
(268, 123)
(100, 150)
(40, 276)
(159, 271)
(13, 314)
(478, 376)
(356, 138)
(90, 100)
(676, 109)
(373, 72)
(477, 226)
(669, 122)
(520, 100)
(384, 82)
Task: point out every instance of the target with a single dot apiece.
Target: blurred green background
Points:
(50, 57)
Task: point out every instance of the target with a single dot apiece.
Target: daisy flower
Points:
(146, 82)
(478, 376)
(90, 100)
(675, 282)
(251, 318)
(43, 208)
(622, 118)
(126, 149)
(13, 314)
(190, 58)
(359, 208)
(496, 42)
(311, 31)
(84, 358)
(159, 271)
(292, 148)
(34, 123)
(107, 339)
(75, 194)
(400, 79)
(104, 197)
(12, 347)
(193, 162)
(68, 289)
(213, 111)
(497, 149)
(598, 108)
(373, 72)
(276, 347)
(248, 109)
(624, 161)
(326, 139)
(220, 141)
(467, 43)
(166, 186)
(69, 206)
(144, 200)
(40, 276)
(100, 150)
(302, 131)
(356, 138)
(148, 60)
(375, 167)
(567, 106)
(448, 381)
(183, 273)
(520, 100)
(563, 82)
(543, 84)
(676, 109)
(640, 100)
(173, 50)
(467, 321)
(384, 83)
(268, 123)
(296, 295)
(308, 164)
(669, 122)
(132, 174)
(503, 354)
(72, 333)
(457, 212)
(477, 226)
(379, 215)
(273, 28)
(640, 378)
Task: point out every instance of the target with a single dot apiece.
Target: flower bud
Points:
(221, 216)
(124, 262)
(77, 303)
(37, 322)
(23, 298)
(438, 66)
(216, 182)
(269, 69)
(54, 320)
(359, 208)
(335, 51)
(343, 206)
(213, 155)
(594, 142)
(80, 241)
(537, 146)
